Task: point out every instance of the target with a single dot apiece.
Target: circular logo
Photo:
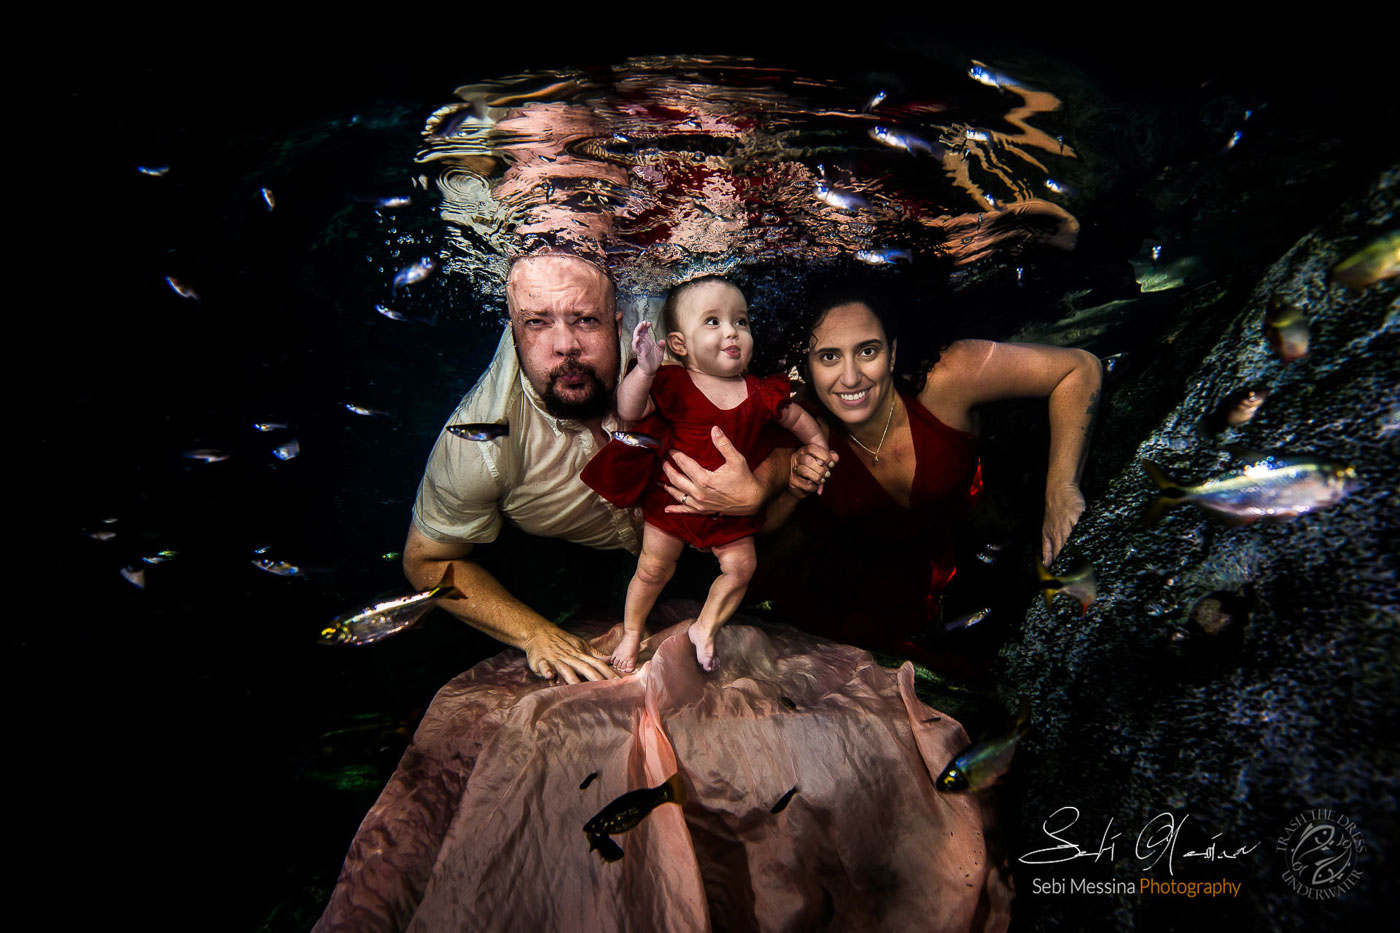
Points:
(1320, 849)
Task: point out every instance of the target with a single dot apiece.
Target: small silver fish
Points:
(478, 431)
(262, 550)
(1268, 485)
(180, 289)
(401, 200)
(840, 198)
(365, 412)
(391, 555)
(206, 455)
(968, 620)
(136, 576)
(279, 567)
(390, 313)
(1234, 140)
(287, 451)
(884, 257)
(637, 439)
(984, 75)
(268, 198)
(266, 426)
(109, 521)
(1157, 252)
(873, 102)
(410, 275)
(1056, 187)
(102, 535)
(155, 171)
(906, 141)
(384, 619)
(160, 557)
(977, 136)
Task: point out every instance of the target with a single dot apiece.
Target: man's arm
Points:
(487, 606)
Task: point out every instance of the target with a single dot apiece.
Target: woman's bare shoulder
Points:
(957, 362)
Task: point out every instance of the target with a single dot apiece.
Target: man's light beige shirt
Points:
(531, 476)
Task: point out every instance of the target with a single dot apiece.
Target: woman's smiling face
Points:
(852, 364)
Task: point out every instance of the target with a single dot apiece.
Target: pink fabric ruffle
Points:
(481, 826)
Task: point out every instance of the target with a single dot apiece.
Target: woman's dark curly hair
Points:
(902, 316)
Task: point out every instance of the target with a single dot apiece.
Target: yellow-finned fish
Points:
(1267, 485)
(383, 619)
(1379, 259)
(1286, 330)
(1235, 409)
(982, 764)
(1080, 583)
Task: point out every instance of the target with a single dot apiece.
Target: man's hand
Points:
(649, 352)
(811, 467)
(729, 490)
(1063, 506)
(552, 652)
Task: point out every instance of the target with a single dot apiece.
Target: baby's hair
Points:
(668, 310)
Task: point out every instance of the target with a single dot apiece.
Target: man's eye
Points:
(588, 319)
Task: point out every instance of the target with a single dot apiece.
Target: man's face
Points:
(563, 314)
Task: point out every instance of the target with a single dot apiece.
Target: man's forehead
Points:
(558, 282)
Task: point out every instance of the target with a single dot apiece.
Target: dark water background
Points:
(189, 752)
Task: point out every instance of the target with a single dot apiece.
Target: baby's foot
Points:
(704, 641)
(624, 657)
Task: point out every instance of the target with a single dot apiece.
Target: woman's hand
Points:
(729, 490)
(1064, 503)
(811, 467)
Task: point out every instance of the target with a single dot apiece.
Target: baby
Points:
(707, 329)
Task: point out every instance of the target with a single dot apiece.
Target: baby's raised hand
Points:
(649, 352)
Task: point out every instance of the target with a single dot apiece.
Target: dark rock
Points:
(1232, 676)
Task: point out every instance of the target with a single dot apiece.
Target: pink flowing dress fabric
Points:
(481, 826)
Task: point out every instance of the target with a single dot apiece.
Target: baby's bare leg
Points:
(737, 564)
(660, 550)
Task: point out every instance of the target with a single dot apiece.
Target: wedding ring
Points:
(684, 496)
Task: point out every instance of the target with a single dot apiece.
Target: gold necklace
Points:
(876, 452)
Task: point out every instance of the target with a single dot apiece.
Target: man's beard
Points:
(597, 404)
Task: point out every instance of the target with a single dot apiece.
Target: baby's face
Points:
(713, 321)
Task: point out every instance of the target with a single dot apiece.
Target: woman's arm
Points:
(973, 372)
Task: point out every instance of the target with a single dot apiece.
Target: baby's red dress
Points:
(627, 476)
